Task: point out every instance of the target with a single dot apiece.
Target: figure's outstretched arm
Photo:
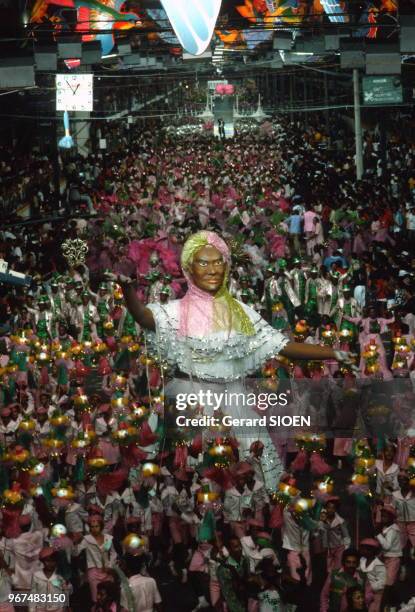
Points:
(137, 309)
(300, 350)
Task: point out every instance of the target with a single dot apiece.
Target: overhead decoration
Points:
(334, 10)
(91, 15)
(193, 22)
(67, 141)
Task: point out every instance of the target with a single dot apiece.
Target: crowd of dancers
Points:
(98, 502)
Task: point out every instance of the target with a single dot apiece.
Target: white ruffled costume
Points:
(219, 361)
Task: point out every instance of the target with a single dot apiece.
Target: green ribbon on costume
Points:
(79, 471)
(317, 510)
(306, 522)
(22, 362)
(362, 504)
(88, 359)
(161, 429)
(12, 388)
(63, 376)
(4, 478)
(47, 493)
(122, 360)
(142, 497)
(206, 531)
(24, 439)
(380, 442)
(31, 380)
(86, 334)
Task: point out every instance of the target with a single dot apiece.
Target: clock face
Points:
(74, 92)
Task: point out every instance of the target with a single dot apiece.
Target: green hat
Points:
(282, 263)
(86, 294)
(206, 531)
(43, 299)
(296, 260)
(347, 288)
(314, 270)
(167, 277)
(122, 360)
(102, 286)
(270, 268)
(245, 292)
(165, 290)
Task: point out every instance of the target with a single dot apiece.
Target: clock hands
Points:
(69, 85)
(71, 88)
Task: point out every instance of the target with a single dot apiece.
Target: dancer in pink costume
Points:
(372, 328)
(100, 553)
(374, 571)
(403, 500)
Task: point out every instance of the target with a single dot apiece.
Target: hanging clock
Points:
(74, 92)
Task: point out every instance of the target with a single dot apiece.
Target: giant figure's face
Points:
(208, 269)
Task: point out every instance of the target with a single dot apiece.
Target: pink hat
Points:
(5, 412)
(104, 408)
(370, 542)
(46, 552)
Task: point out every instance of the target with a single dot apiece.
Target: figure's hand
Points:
(120, 279)
(126, 267)
(124, 272)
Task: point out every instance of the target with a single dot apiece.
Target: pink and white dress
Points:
(366, 337)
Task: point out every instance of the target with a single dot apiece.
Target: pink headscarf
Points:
(197, 308)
